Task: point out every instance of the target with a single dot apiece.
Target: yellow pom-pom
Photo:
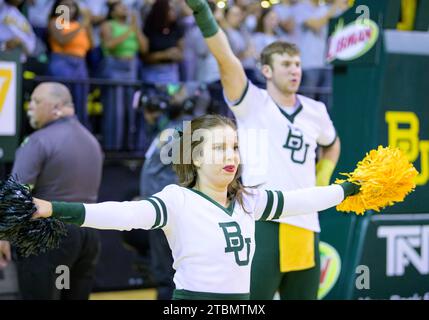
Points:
(385, 176)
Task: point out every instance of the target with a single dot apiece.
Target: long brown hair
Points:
(158, 17)
(186, 170)
(260, 23)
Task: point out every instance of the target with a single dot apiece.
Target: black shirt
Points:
(162, 40)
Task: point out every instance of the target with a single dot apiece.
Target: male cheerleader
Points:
(287, 255)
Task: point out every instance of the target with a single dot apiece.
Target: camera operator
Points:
(152, 113)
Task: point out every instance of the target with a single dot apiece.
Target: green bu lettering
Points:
(295, 142)
(235, 242)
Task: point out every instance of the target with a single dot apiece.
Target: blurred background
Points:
(369, 65)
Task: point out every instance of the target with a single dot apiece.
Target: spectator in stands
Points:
(243, 5)
(312, 19)
(239, 39)
(121, 43)
(285, 13)
(38, 15)
(146, 7)
(135, 7)
(161, 63)
(186, 20)
(254, 11)
(16, 32)
(70, 39)
(267, 32)
(98, 10)
(206, 69)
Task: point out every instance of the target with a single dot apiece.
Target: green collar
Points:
(229, 210)
(290, 117)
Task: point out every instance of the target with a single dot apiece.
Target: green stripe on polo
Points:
(158, 213)
(164, 211)
(280, 204)
(269, 207)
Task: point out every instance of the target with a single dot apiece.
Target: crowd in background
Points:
(158, 43)
(155, 65)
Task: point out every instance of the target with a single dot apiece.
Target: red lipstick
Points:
(229, 168)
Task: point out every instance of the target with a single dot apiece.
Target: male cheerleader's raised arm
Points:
(144, 214)
(277, 204)
(233, 78)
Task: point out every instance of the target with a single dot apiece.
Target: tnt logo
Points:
(406, 245)
(403, 132)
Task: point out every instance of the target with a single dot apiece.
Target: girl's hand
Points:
(44, 208)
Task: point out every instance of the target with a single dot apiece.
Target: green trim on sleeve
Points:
(69, 212)
(269, 207)
(280, 204)
(164, 212)
(330, 144)
(236, 103)
(158, 212)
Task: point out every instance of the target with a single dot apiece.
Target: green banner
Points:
(381, 97)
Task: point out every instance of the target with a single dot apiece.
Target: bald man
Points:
(61, 161)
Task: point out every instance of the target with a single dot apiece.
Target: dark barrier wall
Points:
(422, 16)
(381, 97)
(122, 264)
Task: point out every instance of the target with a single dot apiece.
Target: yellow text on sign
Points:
(5, 80)
(403, 132)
